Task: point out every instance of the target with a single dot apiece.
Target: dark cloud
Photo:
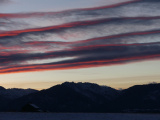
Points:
(150, 1)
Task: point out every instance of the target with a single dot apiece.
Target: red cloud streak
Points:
(75, 65)
(75, 24)
(26, 15)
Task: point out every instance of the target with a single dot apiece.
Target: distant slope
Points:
(14, 93)
(140, 97)
(7, 95)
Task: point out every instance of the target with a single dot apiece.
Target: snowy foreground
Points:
(77, 116)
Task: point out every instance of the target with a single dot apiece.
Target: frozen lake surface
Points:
(77, 116)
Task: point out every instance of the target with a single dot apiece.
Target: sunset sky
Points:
(108, 42)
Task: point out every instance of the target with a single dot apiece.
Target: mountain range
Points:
(84, 97)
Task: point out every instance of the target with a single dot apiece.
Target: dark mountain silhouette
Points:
(88, 97)
(14, 93)
(140, 97)
(7, 95)
(69, 97)
(2, 88)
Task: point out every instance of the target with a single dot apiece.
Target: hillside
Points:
(84, 97)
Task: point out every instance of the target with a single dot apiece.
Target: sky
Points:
(44, 43)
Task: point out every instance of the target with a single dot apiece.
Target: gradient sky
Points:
(44, 43)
